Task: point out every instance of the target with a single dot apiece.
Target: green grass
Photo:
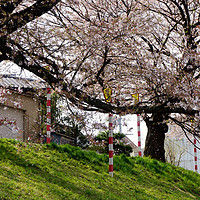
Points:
(32, 171)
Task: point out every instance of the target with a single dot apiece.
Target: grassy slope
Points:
(64, 172)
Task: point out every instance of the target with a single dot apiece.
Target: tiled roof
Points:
(13, 81)
(129, 142)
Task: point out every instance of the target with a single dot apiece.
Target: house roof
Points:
(14, 82)
(129, 142)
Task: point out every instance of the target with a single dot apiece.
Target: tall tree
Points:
(83, 46)
(175, 47)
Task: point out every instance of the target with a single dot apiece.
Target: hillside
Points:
(31, 171)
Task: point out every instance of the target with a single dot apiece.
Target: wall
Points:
(9, 130)
(28, 107)
(187, 160)
(183, 152)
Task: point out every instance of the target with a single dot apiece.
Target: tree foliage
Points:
(83, 46)
(100, 144)
(69, 124)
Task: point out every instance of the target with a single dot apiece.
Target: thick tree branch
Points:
(134, 109)
(85, 57)
(8, 7)
(178, 5)
(105, 62)
(16, 20)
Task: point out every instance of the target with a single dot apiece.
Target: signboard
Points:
(107, 94)
(47, 67)
(136, 97)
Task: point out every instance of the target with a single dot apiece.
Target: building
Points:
(19, 106)
(180, 151)
(127, 141)
(58, 138)
(187, 161)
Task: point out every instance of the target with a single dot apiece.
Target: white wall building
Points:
(187, 160)
(180, 152)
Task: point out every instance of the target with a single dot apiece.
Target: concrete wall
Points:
(9, 130)
(26, 109)
(187, 160)
(184, 153)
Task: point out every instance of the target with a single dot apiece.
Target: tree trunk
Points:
(154, 145)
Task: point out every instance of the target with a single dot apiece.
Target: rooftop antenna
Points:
(120, 125)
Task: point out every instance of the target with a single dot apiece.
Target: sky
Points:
(7, 67)
(129, 126)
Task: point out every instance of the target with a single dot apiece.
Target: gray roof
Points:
(13, 81)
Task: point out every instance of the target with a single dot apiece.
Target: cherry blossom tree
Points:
(176, 51)
(81, 47)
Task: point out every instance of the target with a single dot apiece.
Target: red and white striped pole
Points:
(139, 131)
(48, 115)
(195, 155)
(139, 136)
(110, 141)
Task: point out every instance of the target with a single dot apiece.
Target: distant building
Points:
(180, 151)
(61, 139)
(187, 160)
(21, 106)
(127, 141)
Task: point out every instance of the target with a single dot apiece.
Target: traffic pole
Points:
(120, 124)
(48, 115)
(195, 155)
(139, 136)
(110, 146)
(107, 94)
(138, 128)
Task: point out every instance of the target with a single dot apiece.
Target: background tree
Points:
(70, 124)
(130, 46)
(174, 152)
(100, 144)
